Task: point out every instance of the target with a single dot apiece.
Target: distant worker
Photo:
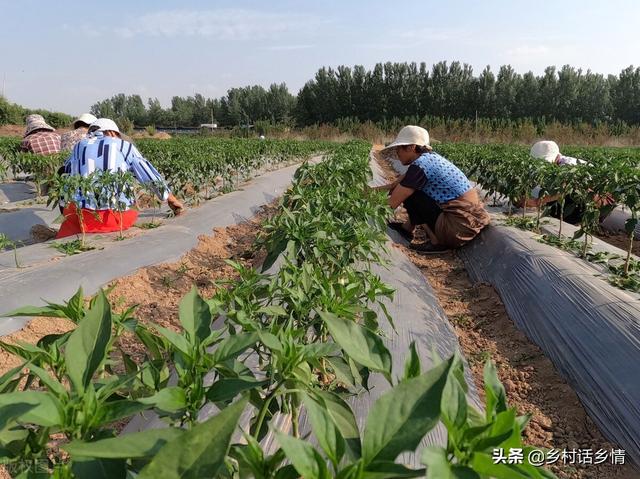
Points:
(572, 212)
(435, 193)
(39, 137)
(105, 149)
(80, 130)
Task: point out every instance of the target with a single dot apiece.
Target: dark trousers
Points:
(572, 211)
(422, 209)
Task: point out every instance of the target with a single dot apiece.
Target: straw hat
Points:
(410, 135)
(104, 124)
(36, 122)
(545, 150)
(86, 118)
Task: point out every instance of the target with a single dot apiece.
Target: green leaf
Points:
(438, 467)
(454, 404)
(390, 470)
(47, 410)
(115, 410)
(484, 464)
(199, 452)
(412, 367)
(9, 412)
(342, 371)
(44, 311)
(307, 461)
(361, 344)
(178, 341)
(401, 417)
(99, 468)
(171, 399)
(233, 345)
(86, 348)
(136, 445)
(195, 316)
(496, 397)
(51, 383)
(504, 432)
(344, 419)
(226, 389)
(8, 380)
(324, 428)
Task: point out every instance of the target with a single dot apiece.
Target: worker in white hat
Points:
(435, 193)
(550, 151)
(80, 130)
(572, 210)
(104, 149)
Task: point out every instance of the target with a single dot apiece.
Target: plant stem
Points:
(15, 255)
(265, 408)
(629, 249)
(561, 217)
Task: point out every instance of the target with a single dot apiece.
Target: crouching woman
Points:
(435, 193)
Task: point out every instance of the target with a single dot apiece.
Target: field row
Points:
(302, 338)
(193, 168)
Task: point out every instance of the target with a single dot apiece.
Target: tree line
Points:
(391, 92)
(13, 114)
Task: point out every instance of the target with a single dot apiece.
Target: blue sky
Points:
(66, 55)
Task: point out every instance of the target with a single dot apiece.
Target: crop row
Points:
(194, 168)
(610, 176)
(301, 336)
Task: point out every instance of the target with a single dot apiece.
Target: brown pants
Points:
(460, 221)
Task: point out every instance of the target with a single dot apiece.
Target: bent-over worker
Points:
(573, 210)
(435, 193)
(105, 150)
(39, 137)
(80, 131)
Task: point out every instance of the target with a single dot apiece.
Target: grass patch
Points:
(150, 225)
(72, 247)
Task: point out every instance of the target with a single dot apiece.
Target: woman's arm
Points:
(398, 195)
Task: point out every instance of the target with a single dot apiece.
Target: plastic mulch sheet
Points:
(417, 317)
(589, 329)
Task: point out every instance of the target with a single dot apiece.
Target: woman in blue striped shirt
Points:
(105, 150)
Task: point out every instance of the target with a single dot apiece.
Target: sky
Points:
(67, 55)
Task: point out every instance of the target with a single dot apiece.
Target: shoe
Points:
(428, 248)
(397, 227)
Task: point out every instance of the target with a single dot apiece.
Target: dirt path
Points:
(157, 290)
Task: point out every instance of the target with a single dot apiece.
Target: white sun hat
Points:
(410, 135)
(86, 118)
(545, 150)
(104, 124)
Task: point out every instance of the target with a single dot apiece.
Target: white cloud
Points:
(221, 24)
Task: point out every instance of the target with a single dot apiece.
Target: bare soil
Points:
(532, 384)
(157, 290)
(620, 240)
